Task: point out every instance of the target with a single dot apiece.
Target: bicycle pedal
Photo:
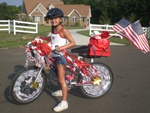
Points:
(96, 81)
(47, 67)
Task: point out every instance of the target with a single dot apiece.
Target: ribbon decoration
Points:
(86, 68)
(40, 45)
(36, 50)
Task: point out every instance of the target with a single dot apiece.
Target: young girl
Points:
(59, 37)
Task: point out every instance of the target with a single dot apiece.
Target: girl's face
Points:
(56, 21)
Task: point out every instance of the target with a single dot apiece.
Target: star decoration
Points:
(96, 81)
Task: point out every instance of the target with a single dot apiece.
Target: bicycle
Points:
(93, 79)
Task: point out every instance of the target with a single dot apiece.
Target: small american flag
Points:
(119, 26)
(134, 33)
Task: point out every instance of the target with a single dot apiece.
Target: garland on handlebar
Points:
(36, 50)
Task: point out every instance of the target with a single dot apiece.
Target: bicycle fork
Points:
(34, 83)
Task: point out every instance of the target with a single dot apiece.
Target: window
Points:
(65, 19)
(37, 18)
(74, 19)
(83, 19)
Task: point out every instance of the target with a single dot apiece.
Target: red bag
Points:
(98, 47)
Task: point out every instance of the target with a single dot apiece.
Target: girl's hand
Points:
(58, 49)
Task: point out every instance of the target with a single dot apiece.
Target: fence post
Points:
(14, 24)
(9, 26)
(148, 32)
(36, 27)
(90, 29)
(106, 26)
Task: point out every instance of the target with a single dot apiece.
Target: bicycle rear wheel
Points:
(106, 77)
(24, 89)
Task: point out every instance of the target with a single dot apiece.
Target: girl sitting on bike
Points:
(60, 37)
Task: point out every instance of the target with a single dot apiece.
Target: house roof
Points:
(30, 5)
(67, 9)
(80, 8)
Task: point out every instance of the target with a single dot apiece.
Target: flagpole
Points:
(111, 36)
(137, 21)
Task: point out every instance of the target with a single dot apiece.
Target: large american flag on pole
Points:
(119, 26)
(134, 33)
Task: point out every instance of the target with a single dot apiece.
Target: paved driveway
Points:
(130, 92)
(83, 40)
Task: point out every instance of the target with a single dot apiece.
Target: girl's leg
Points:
(61, 79)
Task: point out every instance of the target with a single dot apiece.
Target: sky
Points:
(12, 2)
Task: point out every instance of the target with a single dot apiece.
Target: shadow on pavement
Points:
(11, 77)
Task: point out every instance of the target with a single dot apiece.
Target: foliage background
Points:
(103, 11)
(111, 11)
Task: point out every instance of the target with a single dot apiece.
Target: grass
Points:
(112, 39)
(20, 39)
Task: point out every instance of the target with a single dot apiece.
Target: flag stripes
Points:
(133, 33)
(119, 26)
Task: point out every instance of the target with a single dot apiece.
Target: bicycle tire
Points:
(21, 91)
(96, 91)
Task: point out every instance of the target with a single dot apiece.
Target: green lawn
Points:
(112, 39)
(20, 39)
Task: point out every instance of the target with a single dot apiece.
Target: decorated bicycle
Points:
(93, 79)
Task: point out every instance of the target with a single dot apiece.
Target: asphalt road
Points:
(130, 92)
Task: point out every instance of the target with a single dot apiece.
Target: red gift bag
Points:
(99, 46)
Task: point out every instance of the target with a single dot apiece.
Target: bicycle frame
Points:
(38, 53)
(94, 80)
(74, 63)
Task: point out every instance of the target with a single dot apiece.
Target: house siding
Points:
(37, 16)
(74, 18)
(71, 19)
(38, 11)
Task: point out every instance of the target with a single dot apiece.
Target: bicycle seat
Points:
(84, 50)
(80, 50)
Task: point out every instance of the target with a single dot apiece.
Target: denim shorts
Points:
(60, 60)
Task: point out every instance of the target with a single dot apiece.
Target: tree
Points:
(104, 11)
(104, 19)
(8, 12)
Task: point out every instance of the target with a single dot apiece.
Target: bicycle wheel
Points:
(106, 77)
(24, 89)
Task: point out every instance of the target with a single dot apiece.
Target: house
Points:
(73, 14)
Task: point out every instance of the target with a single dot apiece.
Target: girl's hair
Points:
(53, 27)
(52, 30)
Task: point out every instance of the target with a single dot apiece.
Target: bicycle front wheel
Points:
(24, 89)
(106, 81)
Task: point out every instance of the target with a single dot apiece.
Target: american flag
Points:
(134, 33)
(119, 26)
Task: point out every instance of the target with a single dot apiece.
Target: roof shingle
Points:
(67, 9)
(31, 4)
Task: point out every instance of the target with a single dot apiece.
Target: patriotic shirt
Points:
(57, 40)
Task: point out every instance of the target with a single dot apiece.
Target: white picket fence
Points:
(18, 26)
(148, 32)
(5, 25)
(100, 28)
